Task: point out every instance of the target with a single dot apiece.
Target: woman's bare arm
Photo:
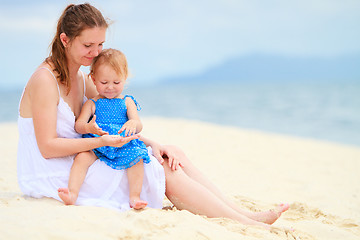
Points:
(44, 97)
(161, 152)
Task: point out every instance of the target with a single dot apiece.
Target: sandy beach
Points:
(320, 180)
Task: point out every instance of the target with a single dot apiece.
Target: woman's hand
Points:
(92, 127)
(170, 153)
(116, 140)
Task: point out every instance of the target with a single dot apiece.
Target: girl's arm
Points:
(85, 114)
(83, 126)
(133, 125)
(44, 98)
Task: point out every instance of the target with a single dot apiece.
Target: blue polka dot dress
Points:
(111, 114)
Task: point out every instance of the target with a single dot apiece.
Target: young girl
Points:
(112, 113)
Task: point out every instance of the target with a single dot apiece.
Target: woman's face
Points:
(83, 48)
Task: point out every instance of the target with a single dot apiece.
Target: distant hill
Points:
(267, 68)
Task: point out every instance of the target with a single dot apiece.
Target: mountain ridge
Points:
(270, 68)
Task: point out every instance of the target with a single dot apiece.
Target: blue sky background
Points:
(169, 38)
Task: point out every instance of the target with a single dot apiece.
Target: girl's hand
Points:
(92, 127)
(129, 127)
(170, 153)
(116, 140)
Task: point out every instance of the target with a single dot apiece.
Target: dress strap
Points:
(93, 100)
(22, 94)
(57, 84)
(136, 103)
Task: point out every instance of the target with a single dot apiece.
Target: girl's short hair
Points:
(114, 58)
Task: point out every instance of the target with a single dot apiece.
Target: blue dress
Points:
(111, 114)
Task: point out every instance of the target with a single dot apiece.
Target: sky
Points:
(166, 38)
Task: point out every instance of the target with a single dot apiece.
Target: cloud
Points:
(192, 35)
(29, 24)
(167, 37)
(18, 19)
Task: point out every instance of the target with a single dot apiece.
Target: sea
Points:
(322, 111)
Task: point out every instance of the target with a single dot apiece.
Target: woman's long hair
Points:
(72, 22)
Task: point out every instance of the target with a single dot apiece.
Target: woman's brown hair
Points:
(72, 22)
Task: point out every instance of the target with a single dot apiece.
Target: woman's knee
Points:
(173, 178)
(180, 154)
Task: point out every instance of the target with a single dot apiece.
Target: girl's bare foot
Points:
(66, 196)
(272, 215)
(137, 203)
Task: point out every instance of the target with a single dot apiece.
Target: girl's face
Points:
(83, 48)
(109, 83)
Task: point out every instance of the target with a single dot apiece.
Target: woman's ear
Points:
(64, 39)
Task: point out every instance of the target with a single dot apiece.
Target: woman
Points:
(51, 102)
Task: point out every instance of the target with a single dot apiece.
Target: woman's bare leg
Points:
(78, 172)
(135, 176)
(186, 193)
(194, 173)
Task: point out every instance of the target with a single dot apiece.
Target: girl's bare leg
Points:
(186, 193)
(135, 176)
(268, 217)
(78, 171)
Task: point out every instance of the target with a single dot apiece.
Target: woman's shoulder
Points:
(41, 86)
(43, 78)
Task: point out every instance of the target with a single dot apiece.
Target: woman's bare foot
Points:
(66, 196)
(272, 215)
(137, 203)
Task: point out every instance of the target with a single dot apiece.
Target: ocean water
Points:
(324, 111)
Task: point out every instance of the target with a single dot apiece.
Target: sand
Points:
(320, 180)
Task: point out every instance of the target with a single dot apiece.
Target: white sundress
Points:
(103, 186)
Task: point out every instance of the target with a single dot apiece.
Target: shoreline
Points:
(256, 170)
